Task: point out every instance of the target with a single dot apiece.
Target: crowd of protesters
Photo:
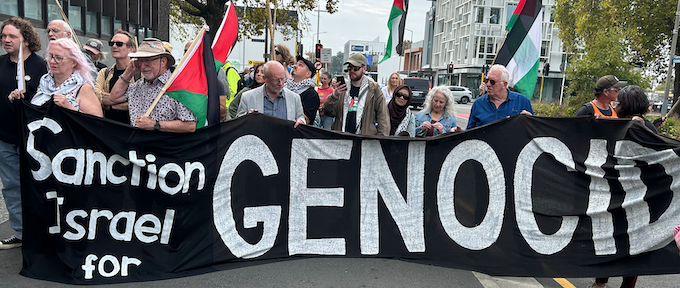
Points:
(73, 78)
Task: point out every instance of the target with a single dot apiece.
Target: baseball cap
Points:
(309, 64)
(357, 59)
(609, 81)
(94, 46)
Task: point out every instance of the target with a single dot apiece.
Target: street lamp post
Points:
(410, 51)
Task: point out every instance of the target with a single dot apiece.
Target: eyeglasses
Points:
(56, 58)
(403, 96)
(55, 31)
(487, 80)
(279, 80)
(614, 89)
(117, 43)
(353, 68)
(277, 52)
(147, 61)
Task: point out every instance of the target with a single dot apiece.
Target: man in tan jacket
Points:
(359, 108)
(121, 45)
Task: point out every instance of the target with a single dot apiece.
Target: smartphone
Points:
(340, 79)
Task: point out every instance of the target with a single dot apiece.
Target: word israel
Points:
(87, 160)
(407, 212)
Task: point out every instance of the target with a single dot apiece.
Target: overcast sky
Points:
(362, 20)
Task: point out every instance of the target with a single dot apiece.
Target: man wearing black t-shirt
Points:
(14, 31)
(121, 45)
(359, 108)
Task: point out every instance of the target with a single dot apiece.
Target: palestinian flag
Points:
(396, 24)
(226, 36)
(194, 82)
(522, 47)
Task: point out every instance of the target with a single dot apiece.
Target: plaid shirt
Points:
(142, 93)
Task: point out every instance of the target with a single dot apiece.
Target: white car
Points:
(461, 95)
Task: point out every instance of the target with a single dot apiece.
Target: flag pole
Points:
(21, 73)
(73, 33)
(177, 70)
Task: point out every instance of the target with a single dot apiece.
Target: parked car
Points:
(656, 106)
(420, 87)
(461, 95)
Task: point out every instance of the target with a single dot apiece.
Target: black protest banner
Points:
(526, 196)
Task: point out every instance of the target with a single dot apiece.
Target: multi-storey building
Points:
(468, 33)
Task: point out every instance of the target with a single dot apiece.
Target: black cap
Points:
(309, 64)
(609, 81)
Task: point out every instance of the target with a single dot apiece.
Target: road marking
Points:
(564, 282)
(498, 282)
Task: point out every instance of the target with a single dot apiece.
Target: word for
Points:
(121, 267)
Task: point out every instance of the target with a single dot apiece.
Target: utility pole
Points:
(664, 106)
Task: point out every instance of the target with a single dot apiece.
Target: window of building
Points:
(480, 15)
(75, 17)
(117, 25)
(91, 22)
(10, 7)
(106, 25)
(33, 9)
(53, 11)
(481, 45)
(495, 15)
(544, 48)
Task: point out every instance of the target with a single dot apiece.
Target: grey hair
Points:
(268, 65)
(449, 109)
(64, 25)
(505, 75)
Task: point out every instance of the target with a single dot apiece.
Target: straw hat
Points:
(151, 47)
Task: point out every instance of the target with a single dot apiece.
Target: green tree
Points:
(336, 63)
(256, 19)
(613, 37)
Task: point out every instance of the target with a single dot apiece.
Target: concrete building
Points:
(374, 52)
(468, 33)
(94, 19)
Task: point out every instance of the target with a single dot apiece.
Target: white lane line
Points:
(504, 282)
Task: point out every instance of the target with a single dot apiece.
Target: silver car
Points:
(461, 95)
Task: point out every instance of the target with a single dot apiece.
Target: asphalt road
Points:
(331, 272)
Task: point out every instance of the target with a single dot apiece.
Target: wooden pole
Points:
(73, 33)
(180, 65)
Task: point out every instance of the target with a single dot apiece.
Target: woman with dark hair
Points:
(402, 121)
(324, 91)
(284, 57)
(257, 82)
(633, 103)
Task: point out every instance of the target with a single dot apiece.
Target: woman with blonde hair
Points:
(438, 115)
(69, 80)
(392, 83)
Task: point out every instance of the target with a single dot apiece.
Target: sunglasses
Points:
(277, 52)
(487, 80)
(117, 43)
(403, 96)
(353, 68)
(55, 31)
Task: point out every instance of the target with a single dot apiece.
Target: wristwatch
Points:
(157, 126)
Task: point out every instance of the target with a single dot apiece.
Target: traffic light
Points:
(450, 68)
(546, 69)
(318, 50)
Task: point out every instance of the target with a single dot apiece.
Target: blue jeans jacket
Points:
(449, 121)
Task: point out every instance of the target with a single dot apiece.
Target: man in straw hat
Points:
(168, 115)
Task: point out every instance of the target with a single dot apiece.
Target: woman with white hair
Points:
(438, 115)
